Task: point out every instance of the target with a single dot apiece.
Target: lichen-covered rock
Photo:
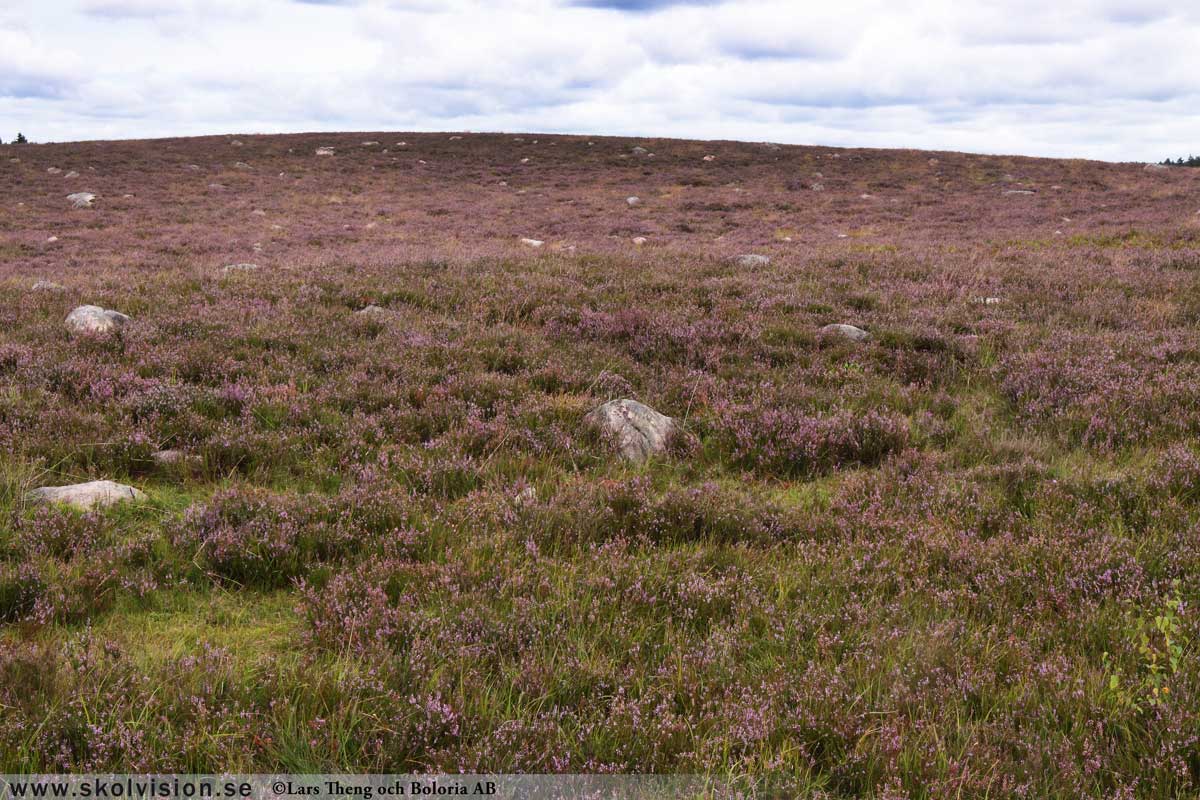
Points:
(639, 431)
(86, 496)
(752, 260)
(846, 332)
(95, 320)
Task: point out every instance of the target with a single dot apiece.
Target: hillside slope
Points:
(956, 557)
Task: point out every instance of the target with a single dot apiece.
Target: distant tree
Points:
(20, 139)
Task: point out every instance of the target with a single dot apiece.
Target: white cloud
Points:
(1102, 78)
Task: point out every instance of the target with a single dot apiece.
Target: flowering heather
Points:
(955, 559)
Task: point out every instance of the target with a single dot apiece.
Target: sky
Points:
(1110, 79)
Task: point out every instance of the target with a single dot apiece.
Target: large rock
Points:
(752, 260)
(86, 496)
(846, 332)
(639, 430)
(81, 199)
(95, 320)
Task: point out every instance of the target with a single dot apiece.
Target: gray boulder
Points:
(81, 199)
(95, 320)
(86, 496)
(639, 431)
(846, 331)
(752, 260)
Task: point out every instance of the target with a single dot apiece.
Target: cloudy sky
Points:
(1112, 79)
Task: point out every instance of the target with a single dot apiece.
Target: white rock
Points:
(243, 267)
(81, 199)
(640, 151)
(236, 143)
(532, 242)
(751, 260)
(258, 212)
(242, 165)
(48, 286)
(51, 240)
(633, 201)
(1155, 167)
(846, 331)
(53, 170)
(86, 496)
(1017, 191)
(370, 144)
(71, 174)
(987, 301)
(373, 310)
(455, 138)
(639, 240)
(710, 158)
(639, 430)
(94, 320)
(324, 151)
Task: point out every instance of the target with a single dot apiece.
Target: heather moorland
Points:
(957, 558)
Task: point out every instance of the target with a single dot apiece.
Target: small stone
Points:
(752, 260)
(987, 301)
(373, 310)
(710, 158)
(71, 174)
(165, 458)
(455, 138)
(1018, 191)
(94, 320)
(258, 212)
(81, 199)
(370, 144)
(639, 430)
(846, 331)
(53, 170)
(51, 240)
(236, 143)
(633, 201)
(243, 267)
(48, 286)
(640, 151)
(639, 240)
(324, 151)
(535, 243)
(1155, 167)
(217, 187)
(242, 165)
(86, 496)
